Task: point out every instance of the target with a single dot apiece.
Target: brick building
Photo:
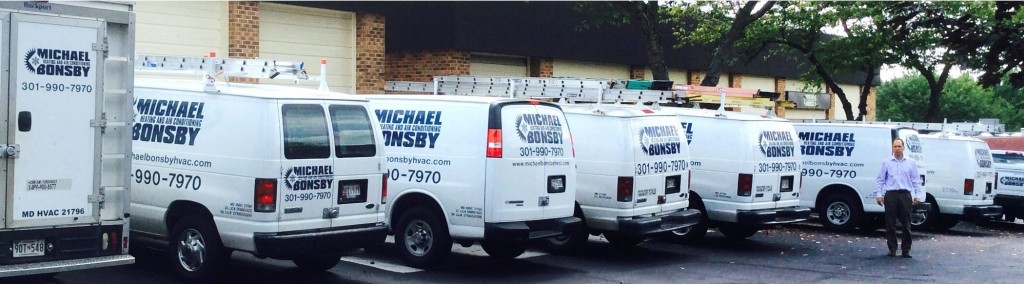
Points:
(368, 43)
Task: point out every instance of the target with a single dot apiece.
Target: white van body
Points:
(841, 164)
(730, 149)
(1009, 188)
(466, 169)
(633, 173)
(65, 137)
(961, 180)
(279, 172)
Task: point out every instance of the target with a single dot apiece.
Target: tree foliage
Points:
(645, 13)
(963, 100)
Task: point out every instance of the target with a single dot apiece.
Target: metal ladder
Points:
(212, 67)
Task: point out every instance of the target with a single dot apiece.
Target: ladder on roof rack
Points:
(577, 90)
(212, 67)
(956, 127)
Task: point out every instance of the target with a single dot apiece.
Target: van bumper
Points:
(288, 245)
(653, 225)
(982, 212)
(773, 216)
(1012, 205)
(530, 230)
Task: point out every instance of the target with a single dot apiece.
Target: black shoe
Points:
(891, 254)
(906, 254)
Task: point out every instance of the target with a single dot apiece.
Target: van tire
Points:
(321, 262)
(697, 231)
(621, 240)
(931, 218)
(737, 231)
(1009, 218)
(840, 213)
(430, 244)
(503, 250)
(571, 241)
(196, 250)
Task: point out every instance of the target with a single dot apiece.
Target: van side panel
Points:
(437, 147)
(180, 155)
(535, 148)
(844, 156)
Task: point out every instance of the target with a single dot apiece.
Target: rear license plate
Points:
(350, 191)
(24, 248)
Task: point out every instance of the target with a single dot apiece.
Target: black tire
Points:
(1009, 218)
(931, 218)
(946, 222)
(321, 262)
(503, 250)
(196, 251)
(736, 231)
(840, 213)
(697, 231)
(621, 240)
(422, 238)
(568, 243)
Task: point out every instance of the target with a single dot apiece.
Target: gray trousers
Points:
(898, 205)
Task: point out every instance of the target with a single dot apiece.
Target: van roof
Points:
(444, 98)
(246, 90)
(615, 110)
(731, 115)
(885, 126)
(951, 137)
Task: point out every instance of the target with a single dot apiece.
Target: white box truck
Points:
(66, 85)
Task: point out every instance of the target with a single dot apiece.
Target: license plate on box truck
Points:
(24, 248)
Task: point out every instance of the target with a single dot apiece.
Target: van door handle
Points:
(24, 121)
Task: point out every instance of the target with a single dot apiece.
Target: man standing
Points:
(898, 183)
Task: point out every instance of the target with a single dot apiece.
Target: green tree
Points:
(963, 100)
(646, 13)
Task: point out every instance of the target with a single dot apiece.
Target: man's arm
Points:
(880, 180)
(918, 190)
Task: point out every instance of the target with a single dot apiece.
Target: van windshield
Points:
(1012, 159)
(353, 134)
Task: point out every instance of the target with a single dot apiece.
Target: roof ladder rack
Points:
(212, 67)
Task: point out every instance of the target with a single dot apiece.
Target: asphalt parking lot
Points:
(801, 252)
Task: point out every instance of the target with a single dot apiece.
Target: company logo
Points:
(539, 128)
(832, 144)
(914, 144)
(167, 121)
(58, 62)
(410, 128)
(660, 140)
(776, 143)
(309, 177)
(1013, 181)
(688, 129)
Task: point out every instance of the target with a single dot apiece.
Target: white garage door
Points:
(491, 65)
(181, 28)
(309, 34)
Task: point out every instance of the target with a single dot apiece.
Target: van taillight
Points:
(997, 181)
(968, 186)
(625, 189)
(744, 184)
(572, 144)
(265, 195)
(494, 143)
(689, 177)
(384, 189)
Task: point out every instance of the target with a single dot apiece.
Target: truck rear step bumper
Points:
(288, 245)
(773, 216)
(652, 225)
(64, 265)
(982, 212)
(529, 230)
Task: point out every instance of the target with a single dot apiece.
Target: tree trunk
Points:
(646, 15)
(724, 50)
(864, 92)
(831, 83)
(935, 86)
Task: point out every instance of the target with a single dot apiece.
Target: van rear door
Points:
(307, 187)
(53, 139)
(660, 159)
(358, 173)
(535, 176)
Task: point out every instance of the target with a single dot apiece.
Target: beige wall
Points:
(587, 69)
(678, 76)
(853, 95)
(308, 34)
(765, 84)
(804, 114)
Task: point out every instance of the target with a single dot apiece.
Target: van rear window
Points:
(353, 133)
(1008, 159)
(305, 132)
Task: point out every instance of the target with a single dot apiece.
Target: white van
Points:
(633, 174)
(1009, 187)
(961, 179)
(279, 172)
(745, 172)
(841, 163)
(467, 169)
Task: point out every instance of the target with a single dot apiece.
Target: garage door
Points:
(181, 28)
(492, 65)
(309, 34)
(585, 69)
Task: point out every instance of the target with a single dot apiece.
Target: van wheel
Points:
(839, 213)
(422, 238)
(695, 232)
(320, 262)
(1009, 218)
(621, 240)
(567, 243)
(503, 250)
(927, 220)
(196, 250)
(736, 231)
